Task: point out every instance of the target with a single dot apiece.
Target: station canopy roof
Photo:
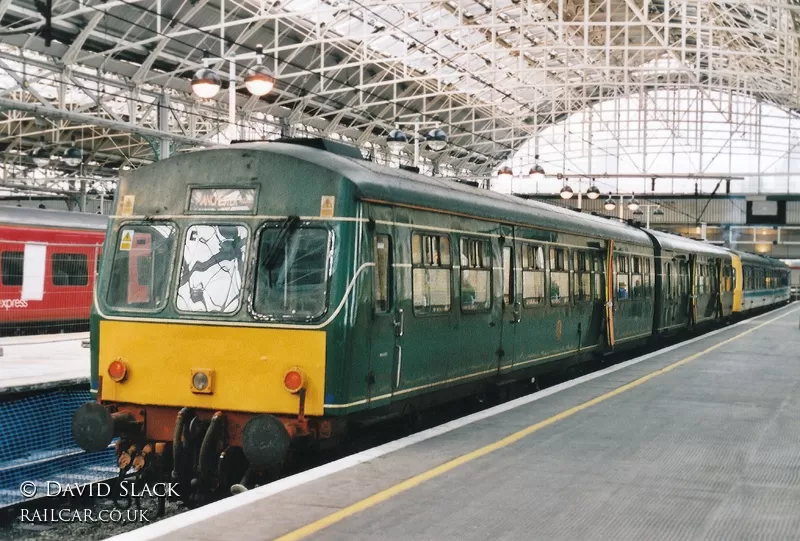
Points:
(117, 74)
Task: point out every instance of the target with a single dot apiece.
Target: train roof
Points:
(397, 186)
(62, 219)
(760, 260)
(671, 241)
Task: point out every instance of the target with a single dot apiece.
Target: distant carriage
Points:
(48, 262)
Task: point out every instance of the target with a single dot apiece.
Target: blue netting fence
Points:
(36, 445)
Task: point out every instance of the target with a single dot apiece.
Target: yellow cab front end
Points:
(209, 327)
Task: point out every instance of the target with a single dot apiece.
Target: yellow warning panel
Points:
(127, 205)
(126, 240)
(326, 206)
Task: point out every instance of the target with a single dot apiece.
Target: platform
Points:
(696, 441)
(31, 363)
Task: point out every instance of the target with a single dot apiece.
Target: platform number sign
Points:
(126, 240)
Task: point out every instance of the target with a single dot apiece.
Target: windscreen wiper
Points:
(283, 234)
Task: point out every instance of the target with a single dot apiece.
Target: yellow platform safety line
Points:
(417, 480)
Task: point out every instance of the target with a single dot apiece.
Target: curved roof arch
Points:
(493, 72)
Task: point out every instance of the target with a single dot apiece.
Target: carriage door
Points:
(511, 303)
(386, 317)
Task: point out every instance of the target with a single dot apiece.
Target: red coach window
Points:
(69, 270)
(11, 264)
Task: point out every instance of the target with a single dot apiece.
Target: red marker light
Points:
(117, 370)
(294, 380)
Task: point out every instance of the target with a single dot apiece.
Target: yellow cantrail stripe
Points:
(412, 482)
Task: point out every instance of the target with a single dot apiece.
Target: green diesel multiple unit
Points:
(261, 294)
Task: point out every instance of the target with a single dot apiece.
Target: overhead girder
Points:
(495, 74)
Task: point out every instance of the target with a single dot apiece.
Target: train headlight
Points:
(117, 370)
(294, 380)
(203, 381)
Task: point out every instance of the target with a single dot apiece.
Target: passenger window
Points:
(476, 275)
(583, 276)
(622, 277)
(12, 264)
(430, 257)
(646, 277)
(636, 277)
(508, 275)
(69, 270)
(559, 276)
(532, 275)
(383, 269)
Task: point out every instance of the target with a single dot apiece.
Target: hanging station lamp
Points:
(396, 140)
(633, 204)
(505, 173)
(206, 82)
(73, 155)
(609, 204)
(593, 192)
(260, 80)
(40, 154)
(436, 139)
(537, 171)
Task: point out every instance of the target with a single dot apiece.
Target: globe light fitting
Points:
(437, 139)
(396, 140)
(40, 155)
(260, 79)
(566, 192)
(537, 172)
(610, 204)
(658, 212)
(206, 82)
(592, 192)
(633, 204)
(505, 173)
(73, 155)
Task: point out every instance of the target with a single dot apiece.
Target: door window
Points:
(383, 268)
(476, 275)
(508, 275)
(559, 276)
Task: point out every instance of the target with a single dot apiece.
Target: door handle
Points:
(399, 323)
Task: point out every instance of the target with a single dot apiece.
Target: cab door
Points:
(387, 317)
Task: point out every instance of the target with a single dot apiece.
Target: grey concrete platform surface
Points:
(31, 363)
(708, 448)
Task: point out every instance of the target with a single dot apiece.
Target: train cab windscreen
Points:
(141, 266)
(212, 268)
(293, 270)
